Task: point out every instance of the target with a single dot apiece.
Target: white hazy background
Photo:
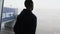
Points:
(47, 12)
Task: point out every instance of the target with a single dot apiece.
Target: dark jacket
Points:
(26, 22)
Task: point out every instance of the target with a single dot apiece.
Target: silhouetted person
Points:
(26, 21)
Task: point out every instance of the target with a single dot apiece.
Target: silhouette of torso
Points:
(25, 23)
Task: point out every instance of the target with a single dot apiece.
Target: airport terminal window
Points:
(8, 11)
(9, 14)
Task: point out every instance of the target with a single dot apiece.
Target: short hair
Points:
(28, 3)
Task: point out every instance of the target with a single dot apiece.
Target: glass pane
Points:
(9, 15)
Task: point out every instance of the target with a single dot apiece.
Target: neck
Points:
(29, 10)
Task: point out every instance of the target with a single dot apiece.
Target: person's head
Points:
(29, 4)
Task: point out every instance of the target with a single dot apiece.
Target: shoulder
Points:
(34, 16)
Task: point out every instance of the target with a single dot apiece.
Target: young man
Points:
(26, 21)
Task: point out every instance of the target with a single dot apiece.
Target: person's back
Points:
(26, 23)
